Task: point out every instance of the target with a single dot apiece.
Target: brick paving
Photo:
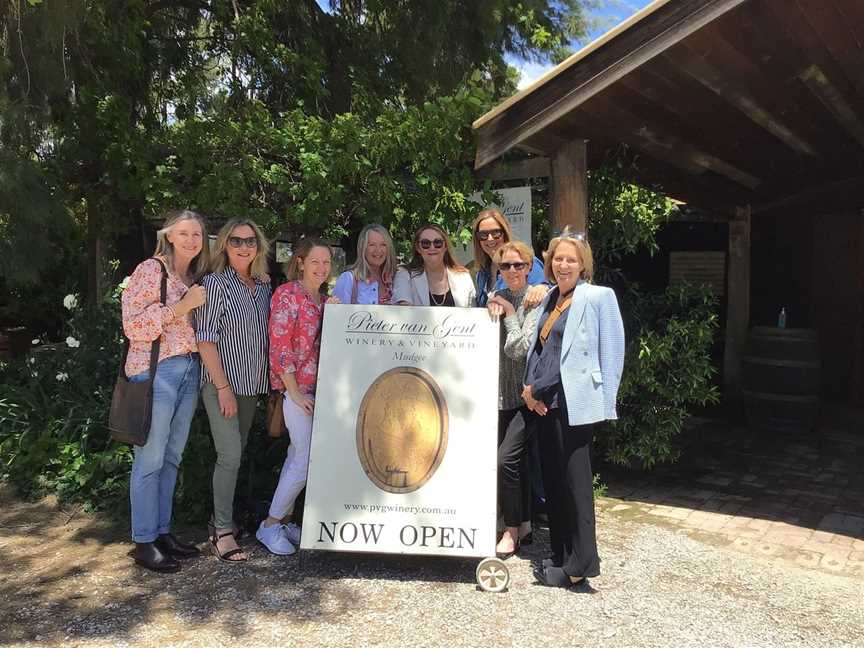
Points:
(796, 498)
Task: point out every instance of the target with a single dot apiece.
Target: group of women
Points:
(225, 336)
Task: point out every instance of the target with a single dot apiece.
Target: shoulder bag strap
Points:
(163, 295)
(353, 288)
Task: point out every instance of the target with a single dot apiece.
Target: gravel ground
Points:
(67, 580)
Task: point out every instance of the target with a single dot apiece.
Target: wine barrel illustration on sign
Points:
(402, 429)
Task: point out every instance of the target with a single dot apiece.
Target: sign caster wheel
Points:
(493, 575)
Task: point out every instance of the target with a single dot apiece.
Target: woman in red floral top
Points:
(182, 249)
(295, 339)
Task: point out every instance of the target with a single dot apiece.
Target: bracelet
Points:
(225, 386)
(173, 312)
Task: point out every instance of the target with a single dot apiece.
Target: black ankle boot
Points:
(173, 547)
(148, 555)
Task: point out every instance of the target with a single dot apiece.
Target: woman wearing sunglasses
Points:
(432, 277)
(513, 259)
(370, 279)
(571, 382)
(492, 230)
(231, 330)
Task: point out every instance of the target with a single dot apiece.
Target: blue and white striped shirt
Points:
(235, 319)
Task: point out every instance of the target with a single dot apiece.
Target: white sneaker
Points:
(274, 538)
(292, 532)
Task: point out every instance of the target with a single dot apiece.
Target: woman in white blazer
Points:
(571, 382)
(432, 277)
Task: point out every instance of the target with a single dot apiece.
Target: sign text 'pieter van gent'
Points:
(405, 432)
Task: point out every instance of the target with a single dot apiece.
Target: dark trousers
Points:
(514, 488)
(565, 459)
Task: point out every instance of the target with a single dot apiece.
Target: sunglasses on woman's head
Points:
(237, 241)
(436, 243)
(494, 234)
(516, 265)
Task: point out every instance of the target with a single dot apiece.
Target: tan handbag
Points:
(132, 402)
(275, 416)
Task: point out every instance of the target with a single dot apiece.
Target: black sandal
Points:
(226, 557)
(554, 577)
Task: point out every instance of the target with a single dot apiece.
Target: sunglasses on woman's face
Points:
(517, 265)
(237, 241)
(485, 235)
(436, 243)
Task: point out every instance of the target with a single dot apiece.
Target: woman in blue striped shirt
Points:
(232, 339)
(370, 279)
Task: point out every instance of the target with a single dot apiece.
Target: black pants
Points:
(514, 488)
(565, 458)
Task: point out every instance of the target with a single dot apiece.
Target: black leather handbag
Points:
(132, 402)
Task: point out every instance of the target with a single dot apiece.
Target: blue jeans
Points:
(154, 470)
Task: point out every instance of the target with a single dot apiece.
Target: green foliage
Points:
(667, 370)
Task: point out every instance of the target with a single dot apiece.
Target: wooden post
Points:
(737, 306)
(569, 184)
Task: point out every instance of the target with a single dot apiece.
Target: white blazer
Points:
(415, 289)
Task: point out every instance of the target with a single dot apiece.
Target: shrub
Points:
(667, 370)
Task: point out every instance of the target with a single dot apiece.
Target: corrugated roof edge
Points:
(571, 60)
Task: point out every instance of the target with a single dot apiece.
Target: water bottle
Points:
(781, 318)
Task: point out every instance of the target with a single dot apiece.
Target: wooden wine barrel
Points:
(781, 379)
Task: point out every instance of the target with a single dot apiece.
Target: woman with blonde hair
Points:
(180, 258)
(432, 277)
(231, 330)
(297, 309)
(491, 230)
(514, 492)
(575, 361)
(370, 279)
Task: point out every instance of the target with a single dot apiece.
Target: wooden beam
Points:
(695, 66)
(737, 305)
(570, 186)
(834, 101)
(848, 185)
(693, 157)
(536, 167)
(601, 68)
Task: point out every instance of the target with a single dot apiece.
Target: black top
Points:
(543, 372)
(436, 300)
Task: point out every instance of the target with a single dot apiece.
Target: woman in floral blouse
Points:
(181, 249)
(296, 311)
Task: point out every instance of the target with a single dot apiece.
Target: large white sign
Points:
(404, 439)
(515, 204)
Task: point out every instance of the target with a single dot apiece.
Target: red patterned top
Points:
(295, 340)
(145, 319)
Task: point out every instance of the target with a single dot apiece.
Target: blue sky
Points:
(612, 13)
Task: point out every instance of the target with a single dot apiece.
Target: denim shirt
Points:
(535, 276)
(367, 292)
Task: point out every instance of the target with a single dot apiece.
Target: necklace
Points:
(436, 302)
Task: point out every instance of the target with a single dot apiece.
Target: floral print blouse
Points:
(295, 340)
(145, 319)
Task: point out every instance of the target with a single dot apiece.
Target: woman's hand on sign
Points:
(333, 300)
(535, 295)
(502, 306)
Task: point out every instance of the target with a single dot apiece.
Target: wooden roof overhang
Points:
(723, 102)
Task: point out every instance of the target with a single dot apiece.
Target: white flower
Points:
(122, 285)
(34, 341)
(70, 302)
(72, 343)
(62, 376)
(31, 360)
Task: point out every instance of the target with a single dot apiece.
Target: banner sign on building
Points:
(515, 204)
(404, 439)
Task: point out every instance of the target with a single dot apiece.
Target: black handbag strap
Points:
(154, 346)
